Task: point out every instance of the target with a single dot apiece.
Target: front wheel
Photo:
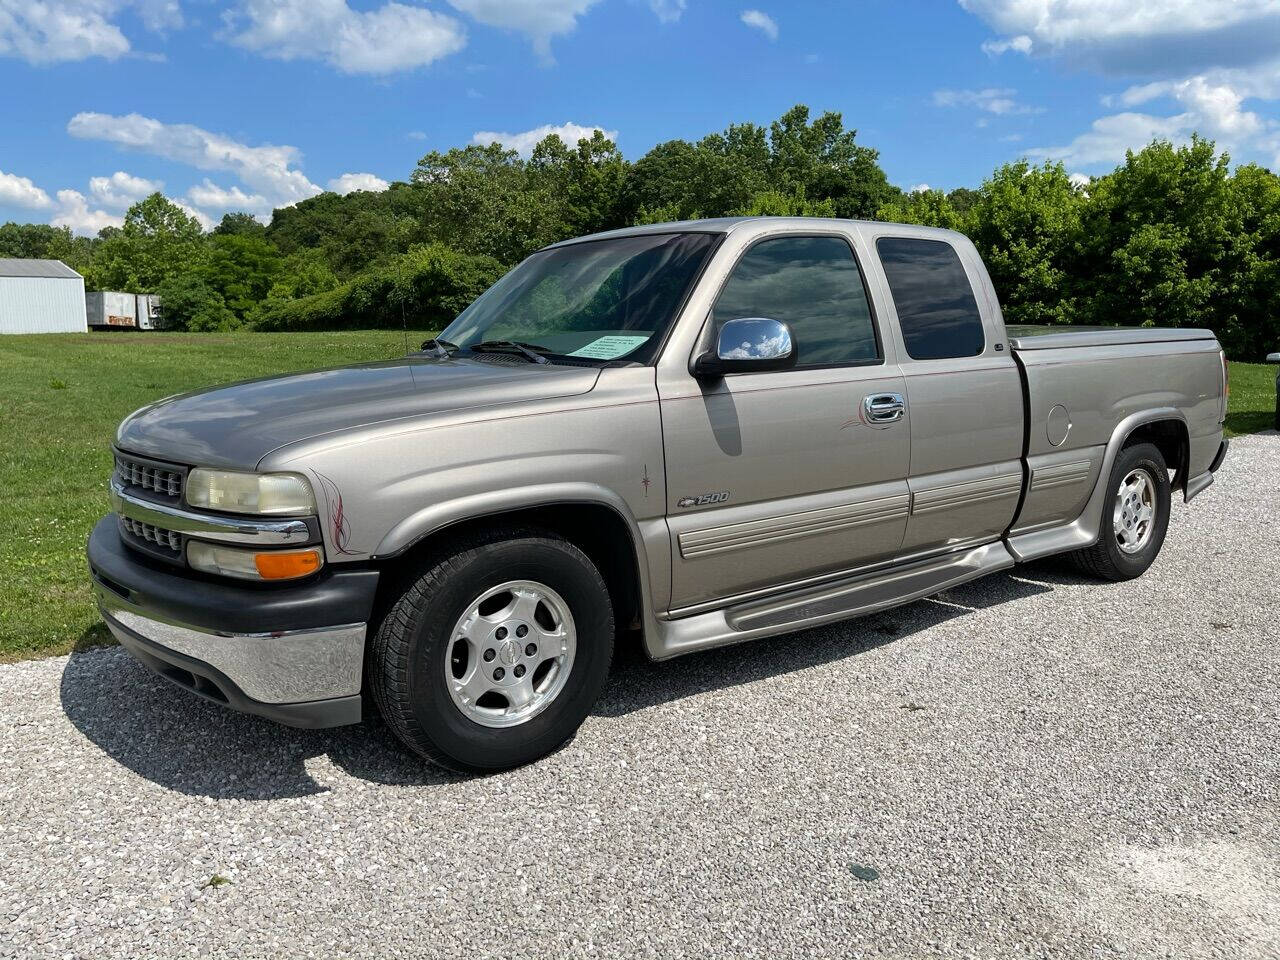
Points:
(494, 656)
(1135, 516)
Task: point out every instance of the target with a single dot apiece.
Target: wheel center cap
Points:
(508, 652)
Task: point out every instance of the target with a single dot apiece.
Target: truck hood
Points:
(237, 425)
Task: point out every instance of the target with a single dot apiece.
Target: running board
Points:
(839, 600)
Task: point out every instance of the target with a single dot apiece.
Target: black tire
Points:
(1105, 559)
(408, 653)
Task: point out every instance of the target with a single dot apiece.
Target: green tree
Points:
(1156, 239)
(583, 184)
(1251, 283)
(189, 303)
(480, 200)
(41, 242)
(241, 269)
(928, 208)
(157, 242)
(775, 203)
(353, 232)
(239, 224)
(724, 172)
(1026, 223)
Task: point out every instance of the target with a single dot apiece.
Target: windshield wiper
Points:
(527, 350)
(441, 349)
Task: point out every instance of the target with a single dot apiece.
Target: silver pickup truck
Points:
(704, 432)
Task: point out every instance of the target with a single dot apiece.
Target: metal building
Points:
(40, 296)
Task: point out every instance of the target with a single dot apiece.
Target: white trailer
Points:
(40, 296)
(148, 311)
(108, 309)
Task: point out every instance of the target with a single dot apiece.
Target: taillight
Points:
(1226, 382)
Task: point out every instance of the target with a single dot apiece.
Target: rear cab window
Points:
(937, 312)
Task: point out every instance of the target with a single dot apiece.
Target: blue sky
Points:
(259, 103)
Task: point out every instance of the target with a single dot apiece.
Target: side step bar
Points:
(839, 600)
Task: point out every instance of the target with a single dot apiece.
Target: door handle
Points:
(881, 408)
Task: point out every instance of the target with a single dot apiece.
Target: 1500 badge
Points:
(706, 500)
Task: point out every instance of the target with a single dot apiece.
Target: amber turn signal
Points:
(287, 565)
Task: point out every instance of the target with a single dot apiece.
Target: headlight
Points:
(254, 564)
(274, 494)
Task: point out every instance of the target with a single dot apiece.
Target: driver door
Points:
(778, 477)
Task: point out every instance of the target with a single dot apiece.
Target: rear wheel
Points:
(1135, 516)
(495, 654)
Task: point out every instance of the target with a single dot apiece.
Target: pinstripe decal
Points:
(1061, 475)
(964, 494)
(809, 523)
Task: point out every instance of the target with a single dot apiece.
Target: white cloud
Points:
(350, 182)
(997, 100)
(1109, 137)
(668, 11)
(1169, 36)
(765, 347)
(60, 31)
(539, 19)
(759, 20)
(122, 190)
(205, 221)
(209, 195)
(1213, 110)
(16, 191)
(268, 169)
(1080, 181)
(523, 143)
(1218, 105)
(73, 212)
(1020, 44)
(384, 40)
(920, 188)
(416, 135)
(1208, 57)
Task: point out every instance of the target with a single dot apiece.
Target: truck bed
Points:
(1057, 338)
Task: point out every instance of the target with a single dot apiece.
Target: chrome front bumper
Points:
(265, 652)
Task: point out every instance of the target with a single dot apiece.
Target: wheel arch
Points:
(1172, 438)
(1086, 528)
(597, 523)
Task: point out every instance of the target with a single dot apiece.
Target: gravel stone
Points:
(1030, 765)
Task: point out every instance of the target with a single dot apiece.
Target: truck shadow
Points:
(637, 683)
(189, 745)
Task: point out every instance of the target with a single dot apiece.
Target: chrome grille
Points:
(155, 536)
(154, 477)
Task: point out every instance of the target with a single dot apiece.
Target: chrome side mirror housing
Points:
(748, 345)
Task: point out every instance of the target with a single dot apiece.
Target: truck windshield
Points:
(599, 300)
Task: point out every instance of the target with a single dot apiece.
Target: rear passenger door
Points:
(962, 387)
(775, 477)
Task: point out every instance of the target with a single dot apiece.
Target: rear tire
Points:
(495, 654)
(1135, 516)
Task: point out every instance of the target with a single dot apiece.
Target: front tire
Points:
(496, 653)
(1135, 516)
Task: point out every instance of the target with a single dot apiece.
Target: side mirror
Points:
(748, 345)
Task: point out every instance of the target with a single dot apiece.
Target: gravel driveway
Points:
(1027, 765)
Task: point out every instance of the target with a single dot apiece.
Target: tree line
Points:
(1172, 237)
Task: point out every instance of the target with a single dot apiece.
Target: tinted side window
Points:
(813, 285)
(936, 309)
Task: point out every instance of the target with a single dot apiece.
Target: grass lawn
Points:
(1252, 406)
(62, 395)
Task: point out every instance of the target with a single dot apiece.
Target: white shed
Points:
(41, 296)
